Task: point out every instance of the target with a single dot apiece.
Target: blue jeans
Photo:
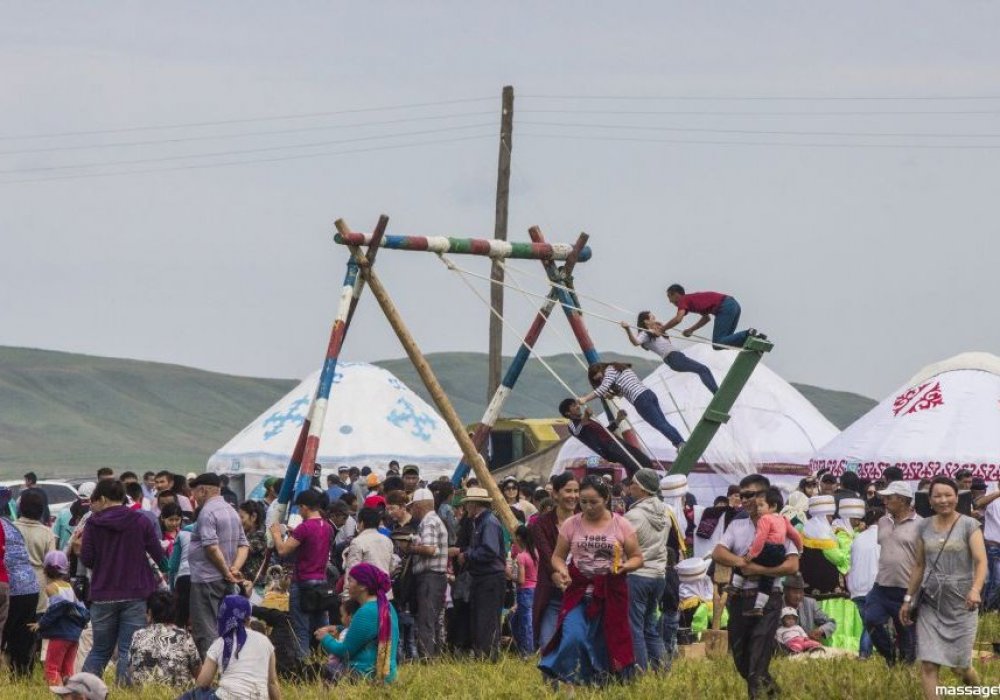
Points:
(582, 657)
(520, 623)
(304, 623)
(199, 694)
(724, 331)
(550, 615)
(648, 406)
(991, 597)
(113, 625)
(644, 593)
(882, 605)
(669, 622)
(407, 634)
(679, 362)
(866, 647)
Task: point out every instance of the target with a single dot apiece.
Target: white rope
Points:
(461, 274)
(574, 351)
(693, 338)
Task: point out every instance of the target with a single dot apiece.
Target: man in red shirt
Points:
(725, 309)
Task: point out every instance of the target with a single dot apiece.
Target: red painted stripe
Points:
(479, 246)
(416, 243)
(353, 238)
(580, 331)
(309, 456)
(300, 443)
(336, 339)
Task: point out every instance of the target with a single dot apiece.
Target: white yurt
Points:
(372, 418)
(772, 429)
(946, 418)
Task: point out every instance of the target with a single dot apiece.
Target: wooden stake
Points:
(434, 387)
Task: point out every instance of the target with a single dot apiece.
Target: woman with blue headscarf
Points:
(243, 657)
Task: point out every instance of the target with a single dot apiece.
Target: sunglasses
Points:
(747, 495)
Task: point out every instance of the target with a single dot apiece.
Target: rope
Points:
(461, 274)
(693, 338)
(577, 356)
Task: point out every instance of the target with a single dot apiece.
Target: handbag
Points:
(918, 597)
(319, 598)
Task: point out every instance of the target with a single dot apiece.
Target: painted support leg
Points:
(571, 308)
(434, 387)
(718, 408)
(301, 466)
(481, 433)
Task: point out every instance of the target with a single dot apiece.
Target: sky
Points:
(170, 174)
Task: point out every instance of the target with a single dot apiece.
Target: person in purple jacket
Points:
(120, 546)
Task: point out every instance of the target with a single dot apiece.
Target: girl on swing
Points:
(654, 338)
(617, 378)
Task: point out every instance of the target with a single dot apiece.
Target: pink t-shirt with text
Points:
(591, 548)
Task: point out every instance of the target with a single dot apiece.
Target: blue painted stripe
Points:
(326, 378)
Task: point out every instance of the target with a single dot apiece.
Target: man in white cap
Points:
(898, 534)
(430, 568)
(81, 686)
(673, 489)
(645, 585)
(864, 569)
(752, 639)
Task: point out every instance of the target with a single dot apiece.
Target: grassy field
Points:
(841, 679)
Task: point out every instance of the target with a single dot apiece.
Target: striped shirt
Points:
(625, 382)
(659, 344)
(432, 531)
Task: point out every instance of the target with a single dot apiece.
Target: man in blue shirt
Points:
(484, 559)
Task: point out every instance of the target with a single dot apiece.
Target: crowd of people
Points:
(178, 583)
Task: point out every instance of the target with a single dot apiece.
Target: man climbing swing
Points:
(725, 309)
(617, 378)
(599, 439)
(652, 337)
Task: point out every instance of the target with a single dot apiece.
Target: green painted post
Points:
(718, 409)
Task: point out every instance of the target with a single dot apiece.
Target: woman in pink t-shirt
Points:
(593, 640)
(525, 576)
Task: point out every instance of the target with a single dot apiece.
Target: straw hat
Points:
(477, 495)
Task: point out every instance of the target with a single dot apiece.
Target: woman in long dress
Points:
(951, 568)
(594, 551)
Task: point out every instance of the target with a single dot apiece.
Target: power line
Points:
(211, 137)
(202, 166)
(161, 159)
(771, 132)
(770, 98)
(768, 113)
(788, 144)
(246, 120)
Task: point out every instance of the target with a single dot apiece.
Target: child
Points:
(653, 337)
(791, 635)
(335, 667)
(273, 611)
(526, 576)
(63, 620)
(170, 525)
(768, 546)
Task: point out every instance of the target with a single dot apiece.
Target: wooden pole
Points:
(434, 387)
(500, 232)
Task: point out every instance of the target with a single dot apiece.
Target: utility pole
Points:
(500, 232)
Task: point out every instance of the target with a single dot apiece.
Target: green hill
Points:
(68, 414)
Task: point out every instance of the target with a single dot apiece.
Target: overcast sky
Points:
(863, 256)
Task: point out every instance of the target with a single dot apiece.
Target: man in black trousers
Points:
(751, 638)
(484, 559)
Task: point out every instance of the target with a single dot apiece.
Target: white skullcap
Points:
(852, 508)
(822, 505)
(673, 486)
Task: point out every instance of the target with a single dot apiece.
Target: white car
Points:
(61, 495)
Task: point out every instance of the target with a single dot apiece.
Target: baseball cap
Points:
(897, 488)
(86, 684)
(372, 481)
(422, 495)
(374, 501)
(86, 489)
(411, 469)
